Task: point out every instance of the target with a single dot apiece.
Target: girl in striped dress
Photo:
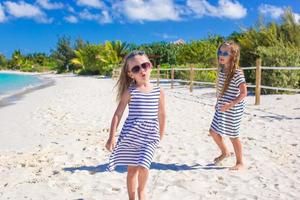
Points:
(144, 126)
(231, 91)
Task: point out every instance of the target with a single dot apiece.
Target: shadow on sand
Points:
(154, 166)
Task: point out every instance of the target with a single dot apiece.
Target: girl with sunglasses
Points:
(231, 91)
(144, 126)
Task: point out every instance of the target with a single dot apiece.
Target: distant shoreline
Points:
(25, 73)
(10, 97)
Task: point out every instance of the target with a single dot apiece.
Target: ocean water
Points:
(11, 84)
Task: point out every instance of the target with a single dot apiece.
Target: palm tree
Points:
(79, 58)
(3, 61)
(113, 52)
(63, 53)
(17, 59)
(120, 48)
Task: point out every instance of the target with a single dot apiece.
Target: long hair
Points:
(124, 80)
(233, 65)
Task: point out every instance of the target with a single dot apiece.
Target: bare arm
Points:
(243, 94)
(110, 144)
(161, 114)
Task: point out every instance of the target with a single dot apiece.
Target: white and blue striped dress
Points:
(139, 136)
(228, 123)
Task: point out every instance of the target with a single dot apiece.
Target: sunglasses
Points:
(223, 53)
(137, 68)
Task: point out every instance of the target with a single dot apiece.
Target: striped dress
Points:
(228, 123)
(139, 136)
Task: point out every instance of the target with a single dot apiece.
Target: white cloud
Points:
(225, 8)
(232, 9)
(22, 9)
(25, 10)
(297, 18)
(2, 14)
(123, 10)
(273, 11)
(91, 3)
(71, 19)
(200, 8)
(165, 35)
(50, 6)
(106, 18)
(70, 9)
(152, 10)
(102, 18)
(87, 15)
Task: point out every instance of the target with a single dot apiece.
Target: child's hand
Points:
(110, 144)
(226, 107)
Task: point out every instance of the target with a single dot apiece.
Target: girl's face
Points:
(224, 55)
(139, 69)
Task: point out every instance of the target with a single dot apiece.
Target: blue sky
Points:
(35, 25)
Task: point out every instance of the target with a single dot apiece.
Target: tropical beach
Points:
(52, 146)
(211, 90)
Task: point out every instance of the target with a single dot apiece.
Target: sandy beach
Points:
(52, 146)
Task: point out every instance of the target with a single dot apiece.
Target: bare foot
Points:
(219, 159)
(238, 166)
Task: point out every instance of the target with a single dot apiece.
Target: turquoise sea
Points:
(11, 84)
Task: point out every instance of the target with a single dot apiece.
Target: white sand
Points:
(52, 147)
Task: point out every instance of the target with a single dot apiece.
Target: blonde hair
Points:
(234, 63)
(124, 80)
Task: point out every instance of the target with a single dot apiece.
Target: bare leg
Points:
(220, 142)
(142, 179)
(132, 173)
(237, 145)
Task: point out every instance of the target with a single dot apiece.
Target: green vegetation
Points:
(3, 62)
(277, 44)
